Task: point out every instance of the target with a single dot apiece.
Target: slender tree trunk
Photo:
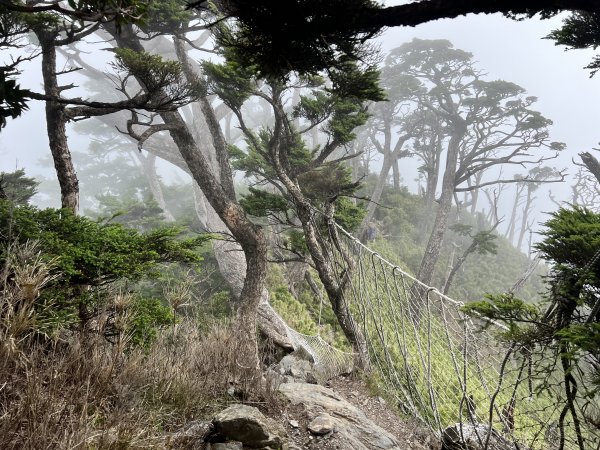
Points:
(318, 248)
(592, 164)
(434, 245)
(510, 233)
(376, 195)
(56, 126)
(475, 193)
(396, 174)
(149, 167)
(390, 161)
(457, 266)
(335, 292)
(526, 211)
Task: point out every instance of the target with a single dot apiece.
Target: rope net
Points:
(327, 360)
(440, 365)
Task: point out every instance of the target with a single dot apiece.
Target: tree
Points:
(566, 327)
(580, 30)
(64, 27)
(279, 156)
(482, 243)
(393, 124)
(17, 188)
(308, 36)
(298, 42)
(87, 260)
(482, 125)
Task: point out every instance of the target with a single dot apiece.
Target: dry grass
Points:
(82, 392)
(87, 394)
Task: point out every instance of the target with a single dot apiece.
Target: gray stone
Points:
(300, 369)
(248, 425)
(479, 436)
(192, 434)
(353, 430)
(294, 423)
(322, 424)
(231, 445)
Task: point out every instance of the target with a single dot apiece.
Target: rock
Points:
(294, 423)
(466, 436)
(192, 434)
(322, 424)
(231, 445)
(248, 425)
(297, 368)
(353, 429)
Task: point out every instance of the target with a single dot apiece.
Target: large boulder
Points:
(248, 425)
(479, 436)
(352, 429)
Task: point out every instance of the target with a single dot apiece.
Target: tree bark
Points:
(525, 214)
(510, 233)
(376, 195)
(592, 164)
(419, 12)
(396, 174)
(434, 245)
(248, 235)
(232, 265)
(56, 126)
(317, 248)
(390, 161)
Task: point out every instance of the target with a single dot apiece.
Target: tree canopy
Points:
(308, 36)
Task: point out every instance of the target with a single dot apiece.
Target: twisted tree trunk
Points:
(56, 122)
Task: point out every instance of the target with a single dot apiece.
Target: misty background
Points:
(502, 48)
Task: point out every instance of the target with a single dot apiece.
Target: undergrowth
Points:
(77, 389)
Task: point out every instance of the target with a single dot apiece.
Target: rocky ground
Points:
(341, 414)
(357, 419)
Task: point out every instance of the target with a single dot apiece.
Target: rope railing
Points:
(436, 363)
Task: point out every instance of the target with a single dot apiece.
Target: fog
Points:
(504, 49)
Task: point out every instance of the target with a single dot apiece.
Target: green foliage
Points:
(405, 220)
(580, 30)
(296, 242)
(96, 253)
(482, 241)
(163, 80)
(281, 37)
(569, 327)
(231, 81)
(149, 315)
(120, 11)
(294, 313)
(13, 99)
(506, 307)
(261, 203)
(349, 214)
(88, 258)
(141, 215)
(18, 188)
(571, 240)
(166, 16)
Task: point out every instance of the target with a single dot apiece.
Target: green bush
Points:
(91, 263)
